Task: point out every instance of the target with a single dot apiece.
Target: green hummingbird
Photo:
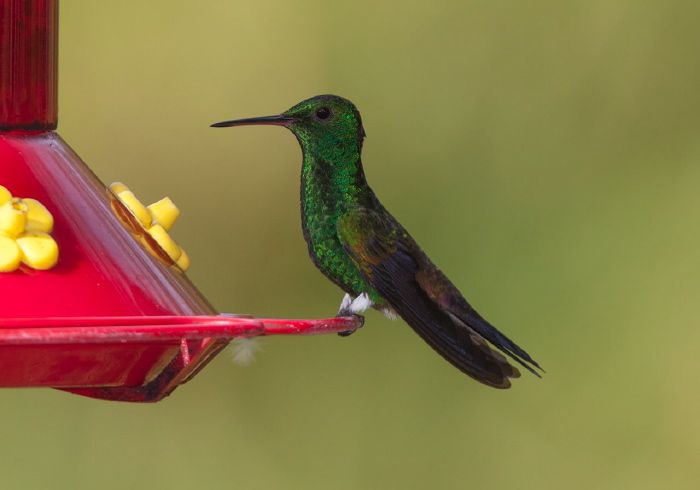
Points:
(361, 247)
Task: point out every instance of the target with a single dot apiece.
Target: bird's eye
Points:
(323, 113)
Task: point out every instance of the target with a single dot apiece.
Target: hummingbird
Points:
(357, 244)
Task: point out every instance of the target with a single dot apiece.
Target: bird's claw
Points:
(359, 318)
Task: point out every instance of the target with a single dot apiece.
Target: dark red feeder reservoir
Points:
(116, 317)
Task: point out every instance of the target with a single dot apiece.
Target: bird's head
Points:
(326, 125)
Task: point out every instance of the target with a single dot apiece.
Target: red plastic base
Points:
(111, 320)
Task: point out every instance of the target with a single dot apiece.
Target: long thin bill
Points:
(253, 121)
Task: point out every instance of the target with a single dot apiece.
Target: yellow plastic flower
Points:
(25, 225)
(156, 220)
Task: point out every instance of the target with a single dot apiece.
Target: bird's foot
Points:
(359, 318)
(351, 307)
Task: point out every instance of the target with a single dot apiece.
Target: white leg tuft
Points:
(345, 304)
(361, 303)
(353, 306)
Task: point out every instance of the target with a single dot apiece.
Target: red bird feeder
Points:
(95, 300)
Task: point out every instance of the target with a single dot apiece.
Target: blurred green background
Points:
(544, 154)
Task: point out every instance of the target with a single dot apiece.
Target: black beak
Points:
(267, 120)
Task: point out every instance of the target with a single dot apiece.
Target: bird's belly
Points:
(329, 256)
